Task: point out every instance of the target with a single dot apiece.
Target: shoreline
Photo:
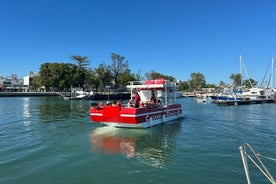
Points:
(27, 94)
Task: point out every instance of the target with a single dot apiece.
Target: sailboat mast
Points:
(272, 74)
(241, 68)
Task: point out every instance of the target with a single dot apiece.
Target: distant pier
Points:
(27, 94)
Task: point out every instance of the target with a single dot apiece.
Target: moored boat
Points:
(227, 94)
(203, 98)
(143, 113)
(255, 93)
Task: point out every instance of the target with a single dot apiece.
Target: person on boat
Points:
(137, 100)
(158, 102)
(153, 99)
(114, 103)
(129, 104)
(121, 103)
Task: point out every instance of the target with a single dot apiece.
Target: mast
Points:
(241, 68)
(272, 75)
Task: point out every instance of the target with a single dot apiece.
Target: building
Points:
(12, 84)
(15, 84)
(29, 81)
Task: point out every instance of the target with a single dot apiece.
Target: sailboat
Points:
(254, 93)
(251, 95)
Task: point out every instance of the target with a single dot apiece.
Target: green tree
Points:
(236, 79)
(125, 78)
(221, 85)
(118, 67)
(55, 75)
(156, 75)
(249, 83)
(103, 76)
(197, 81)
(183, 86)
(36, 82)
(83, 74)
(58, 76)
(211, 86)
(138, 76)
(45, 75)
(66, 72)
(82, 61)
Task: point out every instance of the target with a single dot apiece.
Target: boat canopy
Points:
(161, 88)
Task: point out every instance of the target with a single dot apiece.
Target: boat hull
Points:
(129, 117)
(224, 98)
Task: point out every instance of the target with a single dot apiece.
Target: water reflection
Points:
(57, 109)
(26, 108)
(154, 146)
(26, 111)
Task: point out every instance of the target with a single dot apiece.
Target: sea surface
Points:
(49, 140)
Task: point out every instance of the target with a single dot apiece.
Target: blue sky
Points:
(172, 37)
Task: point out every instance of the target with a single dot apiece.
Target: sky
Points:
(171, 37)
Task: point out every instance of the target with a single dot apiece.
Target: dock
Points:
(243, 102)
(27, 94)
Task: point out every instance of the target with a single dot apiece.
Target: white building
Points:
(14, 84)
(29, 80)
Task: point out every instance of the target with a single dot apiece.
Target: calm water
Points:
(50, 140)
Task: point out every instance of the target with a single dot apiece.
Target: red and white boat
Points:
(147, 114)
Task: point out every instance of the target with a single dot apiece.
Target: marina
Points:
(141, 92)
(52, 140)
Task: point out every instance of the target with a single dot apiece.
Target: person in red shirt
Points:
(137, 100)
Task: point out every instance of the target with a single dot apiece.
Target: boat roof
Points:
(152, 84)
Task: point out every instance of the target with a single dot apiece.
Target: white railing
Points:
(257, 162)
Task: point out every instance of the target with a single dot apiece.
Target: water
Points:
(50, 140)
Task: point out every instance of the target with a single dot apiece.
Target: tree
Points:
(249, 83)
(45, 75)
(138, 76)
(82, 63)
(118, 67)
(125, 78)
(236, 79)
(183, 86)
(36, 82)
(222, 84)
(197, 81)
(103, 76)
(58, 76)
(211, 86)
(156, 75)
